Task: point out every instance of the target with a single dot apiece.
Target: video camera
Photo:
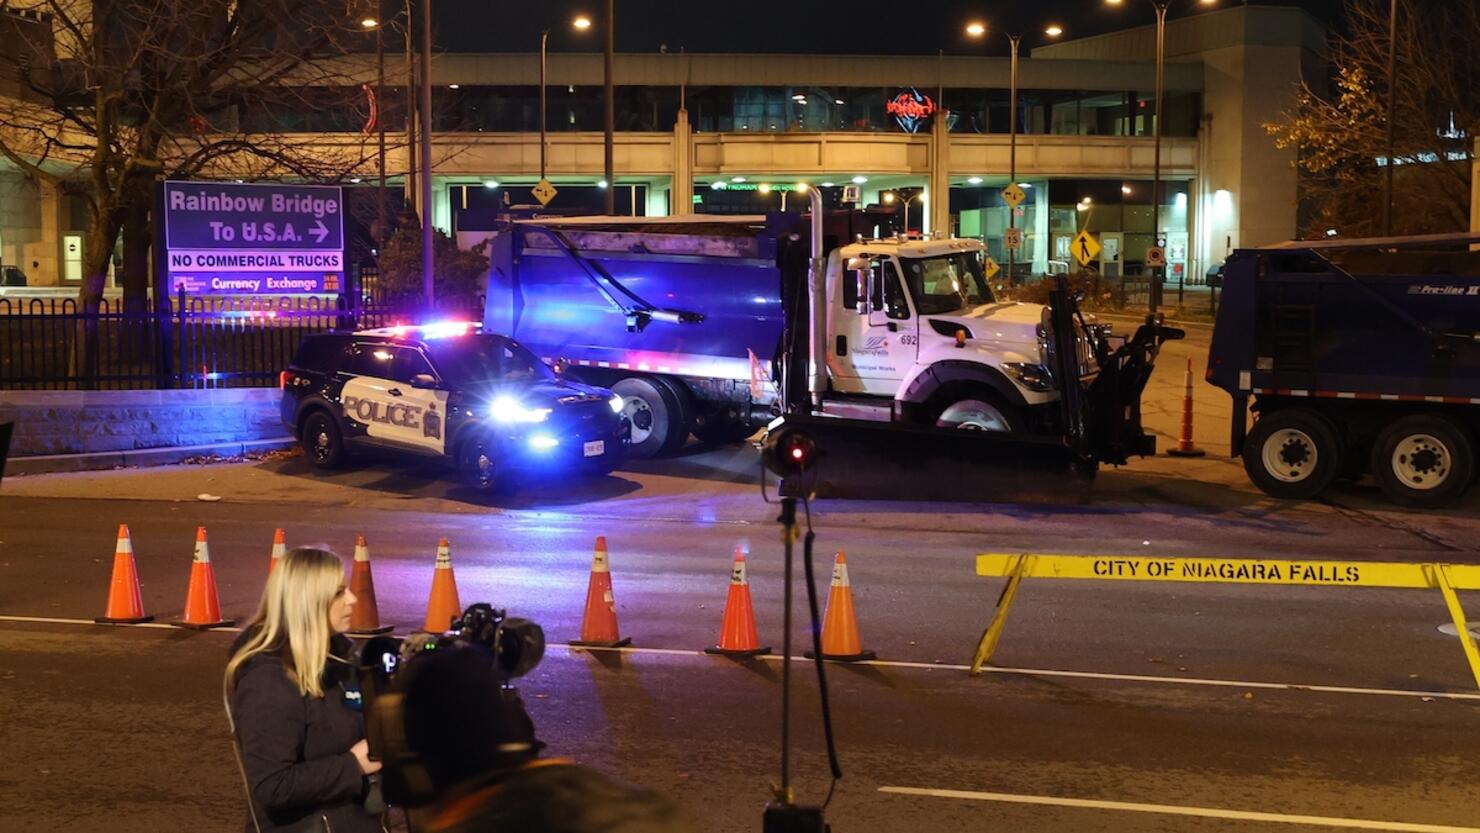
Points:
(460, 683)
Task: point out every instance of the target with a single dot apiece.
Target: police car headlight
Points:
(617, 403)
(505, 409)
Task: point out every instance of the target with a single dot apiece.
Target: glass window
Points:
(408, 364)
(947, 282)
(484, 358)
(373, 360)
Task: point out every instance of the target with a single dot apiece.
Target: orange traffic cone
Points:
(1185, 448)
(840, 625)
(125, 603)
(279, 549)
(202, 607)
(737, 634)
(364, 620)
(599, 624)
(443, 605)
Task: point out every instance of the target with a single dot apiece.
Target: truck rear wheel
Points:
(1292, 454)
(1424, 460)
(659, 422)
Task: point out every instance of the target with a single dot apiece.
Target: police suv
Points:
(450, 391)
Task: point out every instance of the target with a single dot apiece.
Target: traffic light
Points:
(789, 452)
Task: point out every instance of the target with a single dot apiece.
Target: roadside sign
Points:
(250, 238)
(544, 192)
(1014, 239)
(1085, 248)
(1013, 195)
(992, 268)
(1156, 256)
(1015, 567)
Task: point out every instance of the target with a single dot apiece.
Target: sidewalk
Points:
(102, 460)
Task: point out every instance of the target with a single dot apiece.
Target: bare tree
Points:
(1341, 137)
(111, 95)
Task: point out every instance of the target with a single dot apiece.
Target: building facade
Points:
(926, 138)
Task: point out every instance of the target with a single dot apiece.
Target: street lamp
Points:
(368, 23)
(427, 264)
(544, 39)
(610, 121)
(1392, 77)
(1161, 42)
(979, 30)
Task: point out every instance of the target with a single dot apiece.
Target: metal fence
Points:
(193, 342)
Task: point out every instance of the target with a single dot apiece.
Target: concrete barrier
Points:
(91, 422)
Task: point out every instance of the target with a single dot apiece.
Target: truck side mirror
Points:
(858, 266)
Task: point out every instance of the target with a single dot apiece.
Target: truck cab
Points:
(916, 334)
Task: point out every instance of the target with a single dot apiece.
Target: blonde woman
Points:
(302, 742)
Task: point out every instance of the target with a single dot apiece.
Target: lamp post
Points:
(426, 154)
(1161, 7)
(1392, 79)
(979, 30)
(544, 39)
(610, 117)
(379, 27)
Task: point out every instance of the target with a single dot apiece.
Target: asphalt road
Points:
(1111, 706)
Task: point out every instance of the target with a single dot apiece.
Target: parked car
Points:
(12, 276)
(449, 391)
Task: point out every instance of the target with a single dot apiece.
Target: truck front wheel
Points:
(659, 424)
(1424, 460)
(980, 413)
(1292, 454)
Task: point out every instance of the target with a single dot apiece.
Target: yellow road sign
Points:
(1446, 578)
(1013, 195)
(1085, 248)
(992, 267)
(544, 192)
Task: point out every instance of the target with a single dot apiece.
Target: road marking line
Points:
(1175, 810)
(941, 666)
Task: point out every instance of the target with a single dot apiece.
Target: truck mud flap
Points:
(868, 460)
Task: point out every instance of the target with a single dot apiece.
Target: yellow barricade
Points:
(1446, 578)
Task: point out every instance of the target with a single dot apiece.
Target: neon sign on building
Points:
(911, 108)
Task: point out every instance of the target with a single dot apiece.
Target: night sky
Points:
(864, 27)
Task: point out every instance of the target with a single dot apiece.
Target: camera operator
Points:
(477, 746)
(294, 702)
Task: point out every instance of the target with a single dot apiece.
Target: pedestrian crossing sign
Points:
(992, 268)
(1085, 248)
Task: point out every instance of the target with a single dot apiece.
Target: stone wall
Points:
(80, 422)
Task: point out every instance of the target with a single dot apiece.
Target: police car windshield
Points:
(947, 283)
(487, 358)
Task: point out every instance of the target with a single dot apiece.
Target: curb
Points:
(101, 460)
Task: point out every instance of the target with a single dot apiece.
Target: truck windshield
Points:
(487, 358)
(946, 283)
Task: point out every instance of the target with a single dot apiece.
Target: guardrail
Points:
(1446, 578)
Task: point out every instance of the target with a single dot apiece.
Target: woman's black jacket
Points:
(295, 748)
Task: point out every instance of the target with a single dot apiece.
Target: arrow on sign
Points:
(319, 231)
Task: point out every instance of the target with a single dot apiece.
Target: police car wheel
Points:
(1424, 460)
(477, 464)
(1292, 454)
(322, 441)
